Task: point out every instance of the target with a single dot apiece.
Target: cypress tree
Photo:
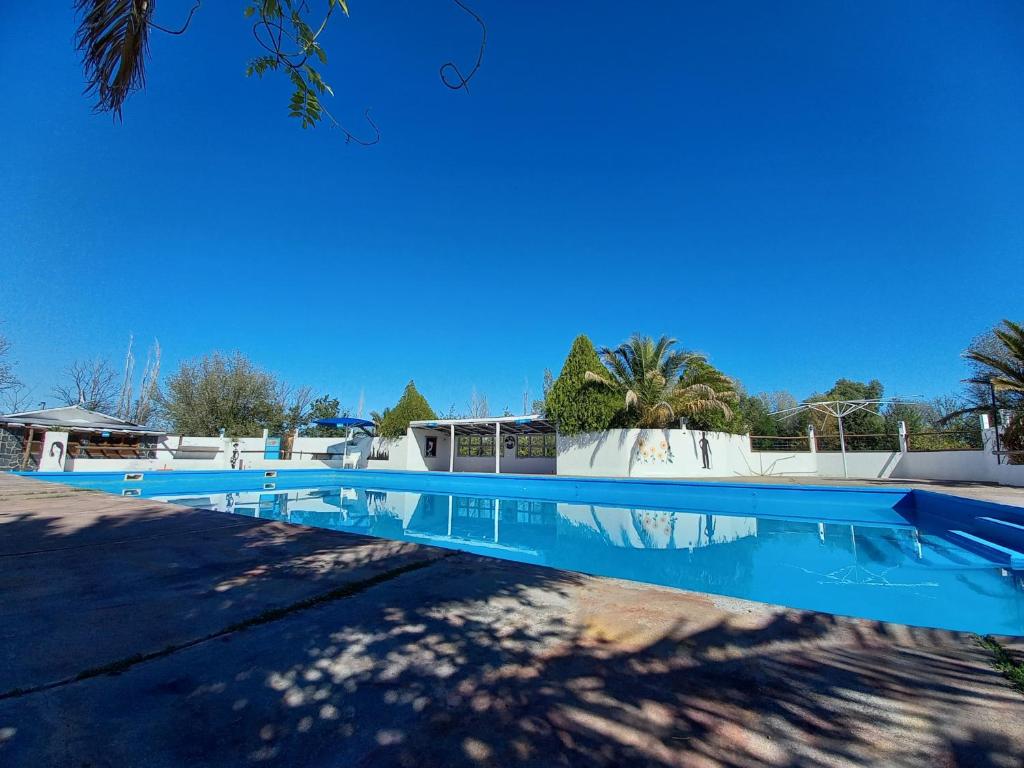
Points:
(575, 404)
(411, 406)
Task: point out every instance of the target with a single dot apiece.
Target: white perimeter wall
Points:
(615, 453)
(666, 453)
(961, 466)
(677, 453)
(176, 452)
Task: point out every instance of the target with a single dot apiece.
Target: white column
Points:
(451, 452)
(810, 438)
(497, 447)
(903, 436)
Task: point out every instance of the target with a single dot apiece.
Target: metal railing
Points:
(791, 444)
(876, 441)
(945, 441)
(963, 440)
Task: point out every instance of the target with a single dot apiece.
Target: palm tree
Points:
(650, 376)
(999, 363)
(377, 417)
(113, 37)
(1005, 366)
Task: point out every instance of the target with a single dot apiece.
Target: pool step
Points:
(990, 549)
(1010, 534)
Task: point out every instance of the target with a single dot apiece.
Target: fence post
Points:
(810, 439)
(904, 438)
(989, 437)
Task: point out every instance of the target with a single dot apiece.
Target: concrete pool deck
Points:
(139, 633)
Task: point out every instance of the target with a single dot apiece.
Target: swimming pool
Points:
(879, 553)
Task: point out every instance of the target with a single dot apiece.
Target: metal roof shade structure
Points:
(531, 424)
(347, 422)
(78, 419)
(840, 409)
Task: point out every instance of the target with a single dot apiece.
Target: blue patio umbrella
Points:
(347, 422)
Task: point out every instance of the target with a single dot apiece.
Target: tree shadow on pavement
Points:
(466, 661)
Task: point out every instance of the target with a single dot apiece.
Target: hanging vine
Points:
(113, 38)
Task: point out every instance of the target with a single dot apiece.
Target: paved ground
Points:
(137, 633)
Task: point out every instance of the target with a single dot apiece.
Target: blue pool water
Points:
(887, 554)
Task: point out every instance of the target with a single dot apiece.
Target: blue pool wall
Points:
(883, 506)
(862, 505)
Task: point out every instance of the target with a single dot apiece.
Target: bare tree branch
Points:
(90, 384)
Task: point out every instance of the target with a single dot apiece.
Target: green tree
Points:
(914, 416)
(868, 423)
(953, 413)
(575, 404)
(648, 376)
(411, 406)
(323, 407)
(755, 416)
(222, 391)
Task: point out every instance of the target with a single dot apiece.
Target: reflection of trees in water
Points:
(969, 580)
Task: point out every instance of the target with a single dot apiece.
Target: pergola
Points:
(489, 425)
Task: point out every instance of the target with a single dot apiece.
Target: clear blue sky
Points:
(801, 190)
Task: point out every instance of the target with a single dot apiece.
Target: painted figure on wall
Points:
(705, 450)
